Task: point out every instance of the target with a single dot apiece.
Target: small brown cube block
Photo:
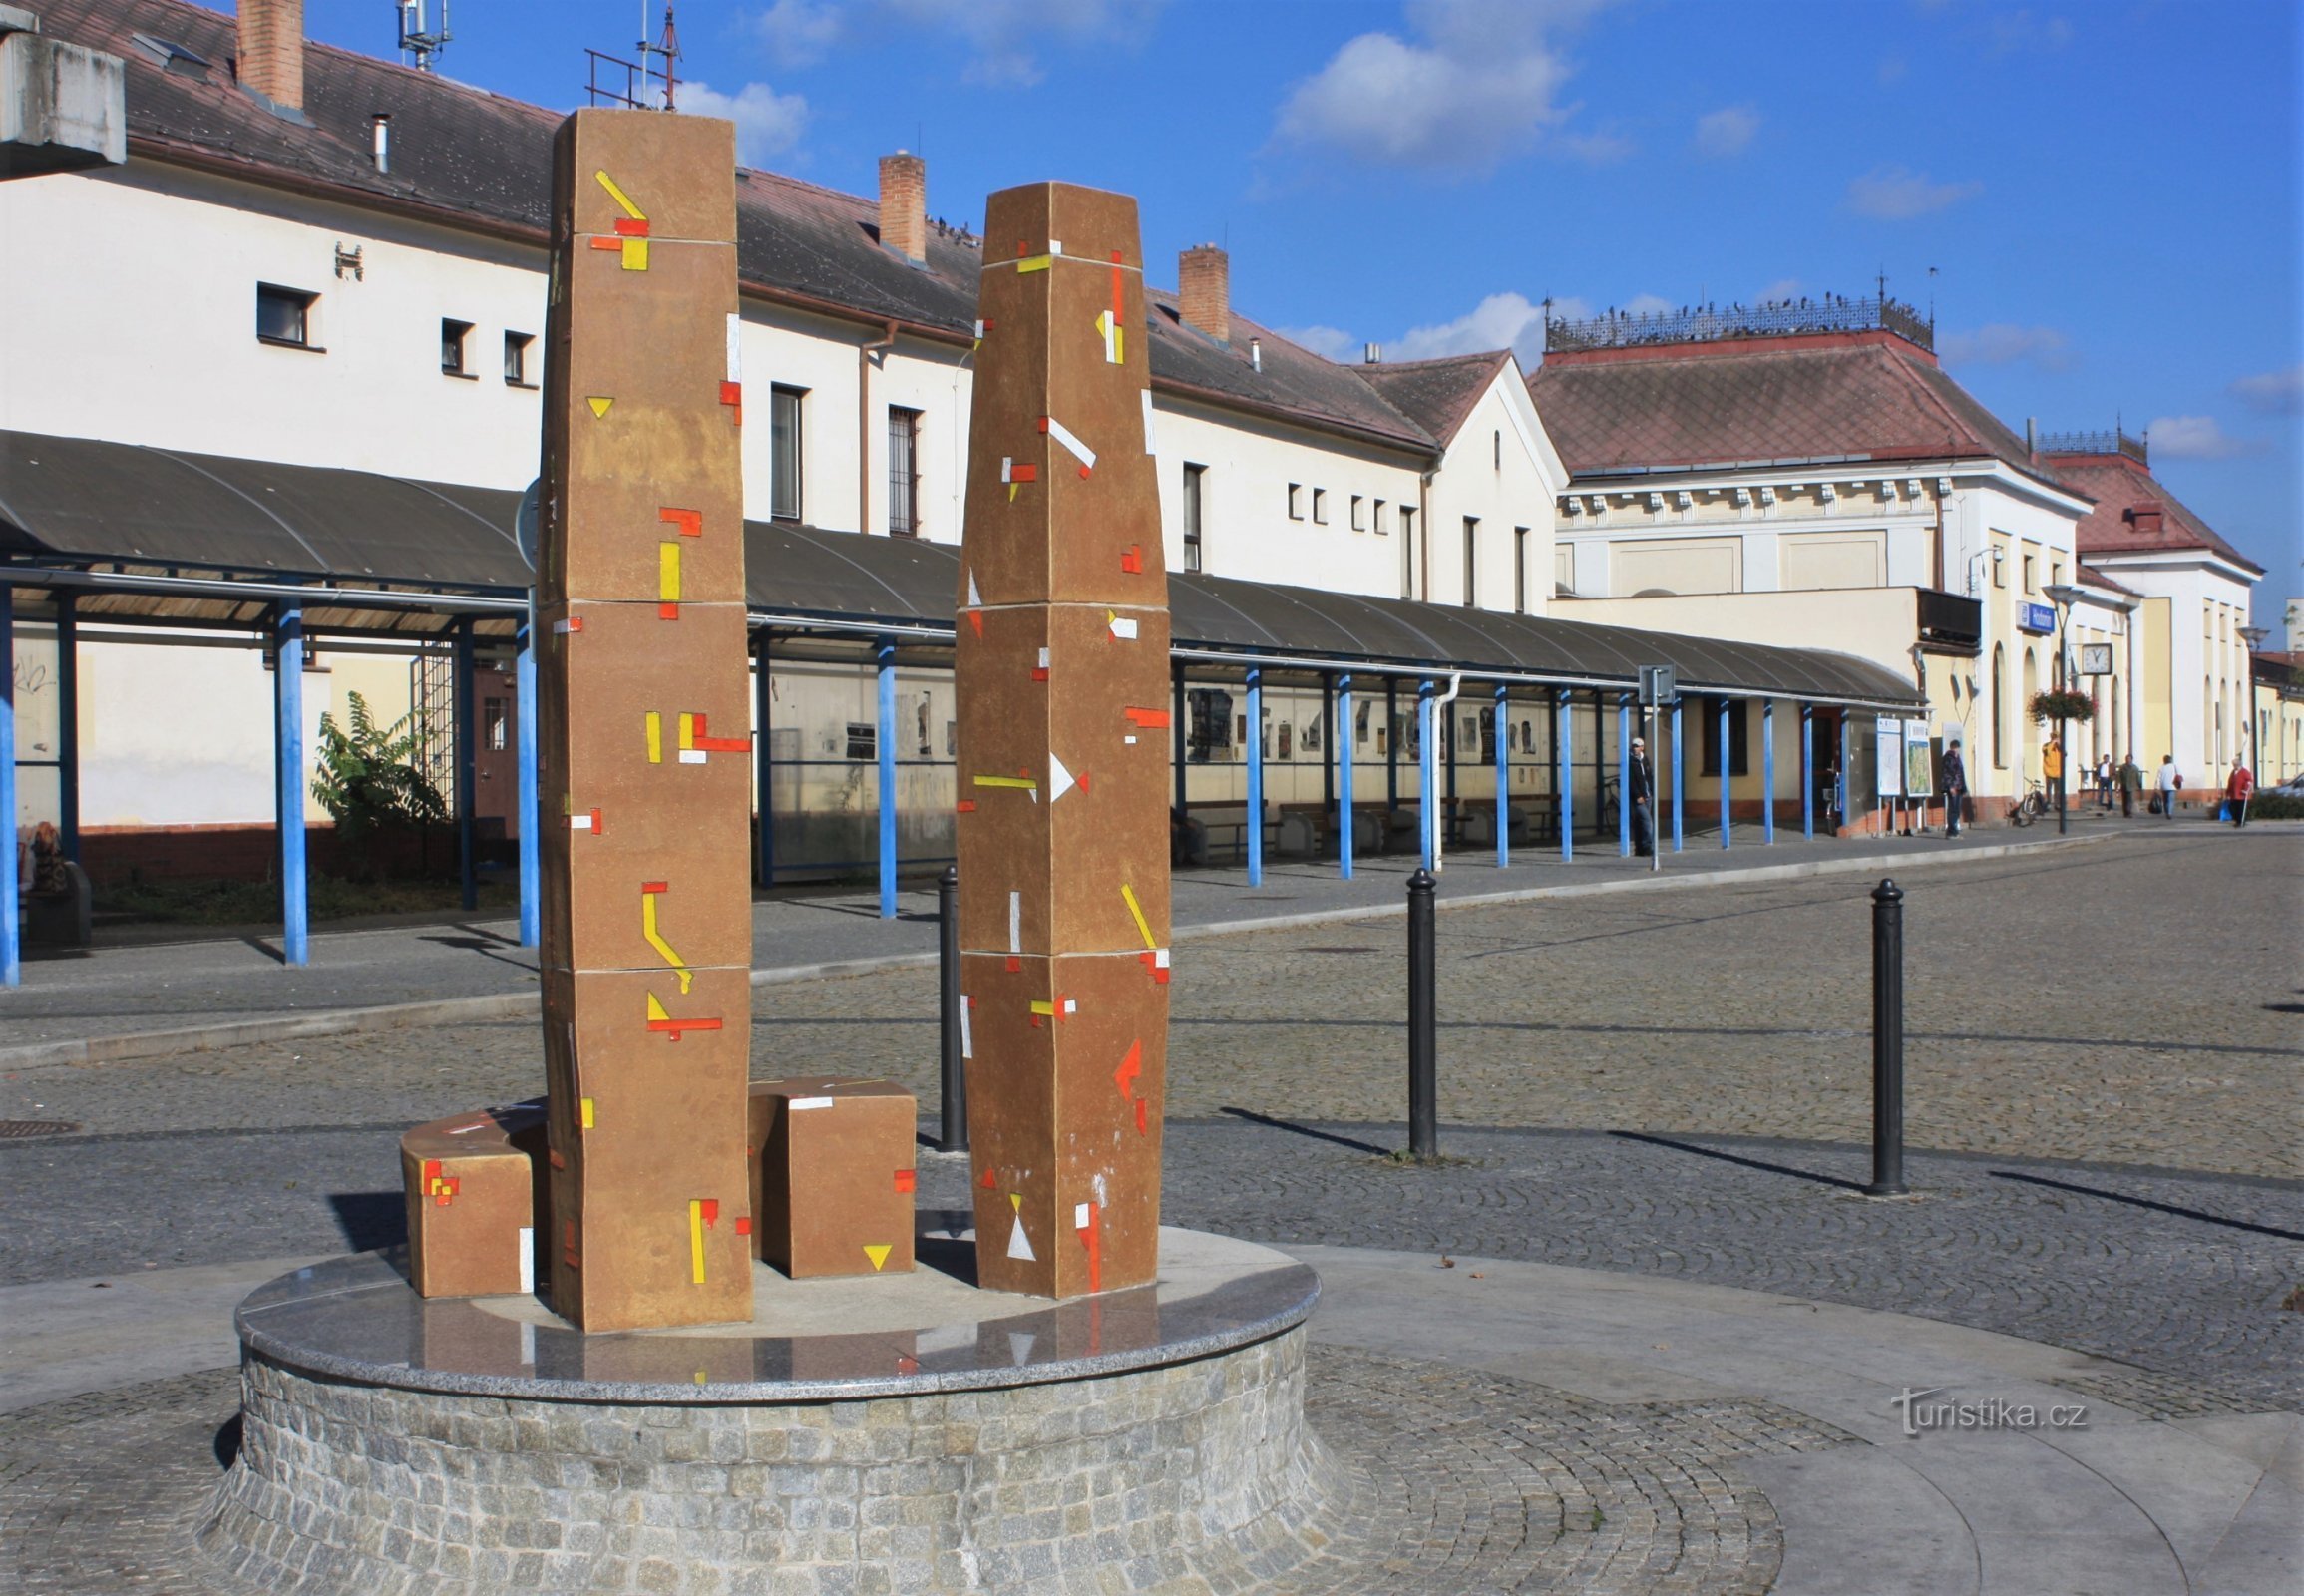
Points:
(473, 1184)
(832, 1175)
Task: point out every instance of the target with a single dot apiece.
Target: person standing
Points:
(1955, 789)
(2170, 782)
(1640, 785)
(2132, 780)
(2103, 783)
(2237, 789)
(2051, 771)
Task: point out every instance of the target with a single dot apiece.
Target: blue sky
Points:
(2111, 193)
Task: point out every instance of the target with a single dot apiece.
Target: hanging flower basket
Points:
(2064, 705)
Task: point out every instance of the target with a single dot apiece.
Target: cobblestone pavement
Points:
(1454, 1481)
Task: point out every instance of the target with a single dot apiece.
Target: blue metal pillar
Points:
(11, 951)
(1679, 782)
(763, 702)
(1504, 782)
(1254, 778)
(530, 836)
(1727, 768)
(67, 726)
(1563, 754)
(1344, 777)
(1840, 794)
(1808, 770)
(1427, 774)
(289, 797)
(1624, 776)
(884, 652)
(466, 765)
(1768, 770)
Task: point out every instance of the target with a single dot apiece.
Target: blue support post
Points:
(1563, 754)
(1344, 778)
(466, 767)
(67, 728)
(1624, 776)
(11, 949)
(1727, 767)
(530, 836)
(1427, 770)
(1768, 770)
(1503, 783)
(1679, 782)
(288, 758)
(1254, 778)
(1808, 770)
(763, 696)
(884, 652)
(1841, 792)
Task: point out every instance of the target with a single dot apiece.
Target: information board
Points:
(1919, 761)
(1890, 758)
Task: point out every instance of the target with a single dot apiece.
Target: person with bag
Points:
(2236, 792)
(1955, 785)
(1639, 786)
(2170, 782)
(2132, 779)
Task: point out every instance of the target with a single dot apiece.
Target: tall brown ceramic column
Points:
(644, 748)
(1062, 680)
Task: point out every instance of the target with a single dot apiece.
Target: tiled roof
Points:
(1831, 398)
(1436, 394)
(2121, 486)
(2096, 578)
(463, 157)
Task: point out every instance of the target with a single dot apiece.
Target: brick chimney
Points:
(2147, 516)
(271, 59)
(904, 204)
(1203, 283)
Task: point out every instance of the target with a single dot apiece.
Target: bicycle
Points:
(2030, 807)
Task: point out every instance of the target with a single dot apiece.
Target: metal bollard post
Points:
(949, 1000)
(1424, 1128)
(1887, 1041)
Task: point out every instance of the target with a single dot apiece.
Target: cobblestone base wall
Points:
(1198, 1476)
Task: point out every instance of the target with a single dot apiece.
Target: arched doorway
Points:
(2030, 737)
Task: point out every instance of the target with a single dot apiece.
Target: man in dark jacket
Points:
(2132, 780)
(1639, 786)
(1955, 788)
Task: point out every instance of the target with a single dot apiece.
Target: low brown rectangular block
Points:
(833, 1175)
(475, 1184)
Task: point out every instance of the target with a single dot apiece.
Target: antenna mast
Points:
(418, 44)
(647, 85)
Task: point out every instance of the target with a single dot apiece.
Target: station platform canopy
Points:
(159, 538)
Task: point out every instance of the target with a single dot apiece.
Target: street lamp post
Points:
(2064, 595)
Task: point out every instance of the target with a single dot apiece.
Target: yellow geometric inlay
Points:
(584, 1111)
(657, 940)
(696, 1239)
(599, 404)
(1143, 926)
(669, 572)
(656, 737)
(878, 1255)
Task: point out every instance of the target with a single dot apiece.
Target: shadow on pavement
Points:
(1738, 1159)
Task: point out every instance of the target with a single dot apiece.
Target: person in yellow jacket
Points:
(2051, 769)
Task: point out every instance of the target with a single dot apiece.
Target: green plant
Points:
(2062, 704)
(367, 777)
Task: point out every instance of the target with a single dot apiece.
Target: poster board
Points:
(1919, 761)
(1890, 758)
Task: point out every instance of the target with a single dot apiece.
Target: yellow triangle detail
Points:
(655, 1008)
(878, 1255)
(598, 404)
(1016, 1201)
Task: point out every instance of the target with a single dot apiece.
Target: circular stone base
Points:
(965, 1440)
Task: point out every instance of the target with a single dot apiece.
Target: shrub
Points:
(369, 780)
(2061, 705)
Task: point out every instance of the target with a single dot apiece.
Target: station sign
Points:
(2038, 619)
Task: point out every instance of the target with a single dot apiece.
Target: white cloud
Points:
(1500, 321)
(2273, 393)
(2195, 437)
(1007, 34)
(799, 32)
(1647, 304)
(1778, 291)
(1729, 131)
(767, 123)
(1896, 193)
(2004, 344)
(1480, 80)
(1329, 343)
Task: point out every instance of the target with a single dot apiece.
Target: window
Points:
(784, 453)
(1999, 567)
(902, 472)
(1738, 757)
(1295, 501)
(452, 340)
(2031, 574)
(1208, 724)
(1380, 528)
(1498, 438)
(1471, 559)
(492, 720)
(284, 316)
(863, 740)
(1407, 552)
(1320, 506)
(1192, 479)
(1360, 517)
(1520, 569)
(515, 359)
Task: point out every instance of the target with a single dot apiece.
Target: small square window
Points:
(516, 347)
(284, 315)
(1320, 506)
(1295, 501)
(452, 336)
(1359, 518)
(496, 724)
(863, 740)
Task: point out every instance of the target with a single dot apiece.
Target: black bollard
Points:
(949, 1000)
(1423, 1125)
(1887, 1041)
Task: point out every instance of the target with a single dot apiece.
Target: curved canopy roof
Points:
(153, 516)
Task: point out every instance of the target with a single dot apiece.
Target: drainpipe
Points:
(864, 354)
(1434, 727)
(1424, 520)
